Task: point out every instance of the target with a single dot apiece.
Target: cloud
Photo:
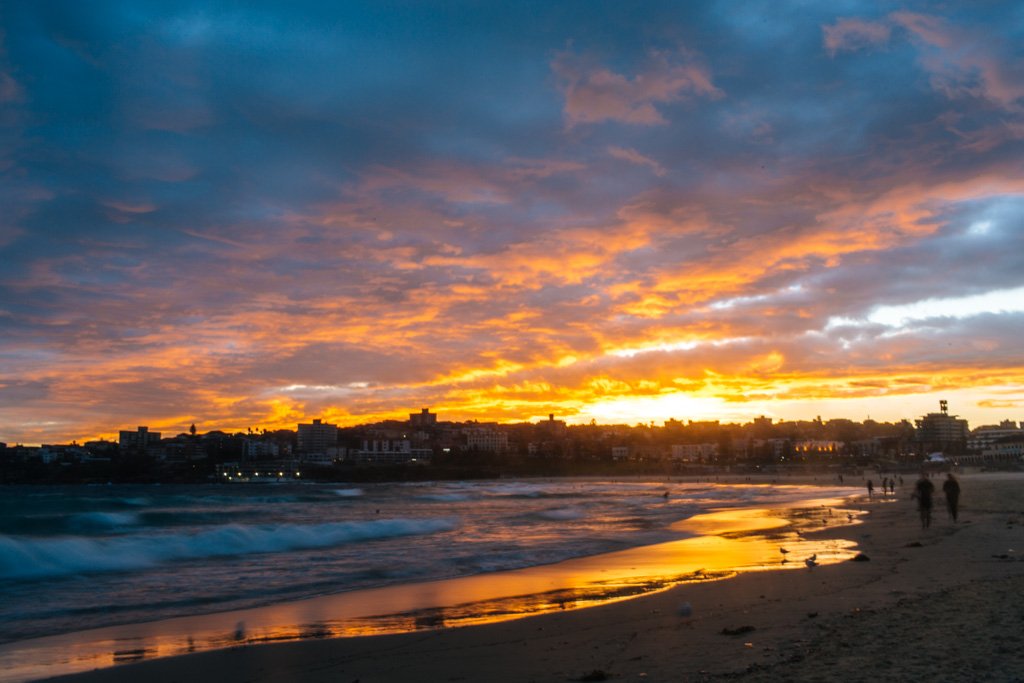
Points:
(963, 63)
(854, 34)
(595, 93)
(960, 62)
(333, 210)
(10, 90)
(634, 157)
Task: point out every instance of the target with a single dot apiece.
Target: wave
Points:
(445, 497)
(22, 558)
(102, 521)
(348, 493)
(242, 499)
(561, 514)
(130, 502)
(517, 491)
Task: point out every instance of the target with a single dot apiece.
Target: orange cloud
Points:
(594, 94)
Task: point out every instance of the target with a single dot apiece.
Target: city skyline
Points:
(241, 216)
(427, 419)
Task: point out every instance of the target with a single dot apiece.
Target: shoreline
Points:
(650, 636)
(706, 546)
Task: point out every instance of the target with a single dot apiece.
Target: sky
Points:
(253, 214)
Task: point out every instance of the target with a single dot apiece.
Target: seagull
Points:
(811, 564)
(814, 557)
(783, 551)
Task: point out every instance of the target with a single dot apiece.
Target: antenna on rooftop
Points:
(944, 407)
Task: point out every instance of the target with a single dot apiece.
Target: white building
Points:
(388, 452)
(261, 450)
(986, 436)
(486, 439)
(694, 452)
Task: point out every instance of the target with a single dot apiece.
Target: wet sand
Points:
(945, 603)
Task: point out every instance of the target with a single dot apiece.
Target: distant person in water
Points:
(923, 491)
(951, 487)
(871, 487)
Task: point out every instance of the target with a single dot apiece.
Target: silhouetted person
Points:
(951, 487)
(923, 491)
(871, 487)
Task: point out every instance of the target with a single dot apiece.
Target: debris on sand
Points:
(738, 631)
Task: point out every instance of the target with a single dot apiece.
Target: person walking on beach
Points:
(923, 491)
(871, 488)
(951, 487)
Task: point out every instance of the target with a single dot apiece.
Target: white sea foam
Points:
(348, 493)
(22, 558)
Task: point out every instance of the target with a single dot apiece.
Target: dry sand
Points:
(944, 604)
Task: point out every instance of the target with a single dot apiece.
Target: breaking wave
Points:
(27, 558)
(102, 521)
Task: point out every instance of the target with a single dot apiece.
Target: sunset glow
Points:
(252, 216)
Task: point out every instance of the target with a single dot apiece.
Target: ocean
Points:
(85, 557)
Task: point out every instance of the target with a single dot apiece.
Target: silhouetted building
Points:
(139, 440)
(942, 431)
(317, 437)
(551, 426)
(423, 419)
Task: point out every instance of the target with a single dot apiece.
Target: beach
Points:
(943, 603)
